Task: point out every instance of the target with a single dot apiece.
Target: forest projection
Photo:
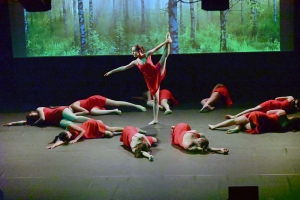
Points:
(112, 27)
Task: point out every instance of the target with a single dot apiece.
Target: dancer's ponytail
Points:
(55, 139)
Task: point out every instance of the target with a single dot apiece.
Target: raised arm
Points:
(150, 52)
(289, 98)
(123, 68)
(79, 129)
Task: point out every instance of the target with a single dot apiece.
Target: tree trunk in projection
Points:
(242, 12)
(192, 14)
(157, 8)
(275, 10)
(75, 23)
(254, 6)
(198, 16)
(91, 14)
(26, 32)
(65, 18)
(82, 28)
(223, 35)
(173, 25)
(143, 28)
(126, 15)
(182, 29)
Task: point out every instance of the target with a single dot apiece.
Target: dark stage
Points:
(104, 169)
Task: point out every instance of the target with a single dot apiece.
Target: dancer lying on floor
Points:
(45, 116)
(94, 105)
(153, 74)
(258, 122)
(90, 129)
(140, 144)
(288, 104)
(218, 97)
(165, 98)
(188, 139)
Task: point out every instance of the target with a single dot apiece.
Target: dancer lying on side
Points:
(140, 144)
(188, 139)
(165, 98)
(45, 116)
(258, 122)
(218, 97)
(94, 105)
(90, 129)
(288, 104)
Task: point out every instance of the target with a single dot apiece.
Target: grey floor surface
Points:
(104, 169)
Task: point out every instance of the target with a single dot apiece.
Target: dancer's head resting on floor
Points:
(137, 150)
(62, 136)
(32, 117)
(295, 106)
(294, 124)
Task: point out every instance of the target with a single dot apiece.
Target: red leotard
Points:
(275, 104)
(93, 129)
(128, 133)
(152, 74)
(178, 133)
(95, 101)
(53, 115)
(263, 123)
(224, 92)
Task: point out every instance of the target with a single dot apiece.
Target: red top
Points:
(178, 133)
(223, 91)
(53, 115)
(128, 133)
(152, 74)
(95, 101)
(93, 129)
(264, 123)
(275, 104)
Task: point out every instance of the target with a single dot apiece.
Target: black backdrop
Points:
(27, 83)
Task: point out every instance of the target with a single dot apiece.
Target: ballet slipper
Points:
(168, 112)
(153, 122)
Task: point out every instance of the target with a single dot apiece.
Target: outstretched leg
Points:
(256, 108)
(110, 102)
(242, 120)
(69, 115)
(165, 54)
(97, 111)
(155, 108)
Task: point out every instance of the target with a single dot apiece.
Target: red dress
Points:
(179, 132)
(93, 129)
(128, 133)
(152, 74)
(275, 104)
(95, 101)
(53, 116)
(263, 123)
(166, 94)
(224, 92)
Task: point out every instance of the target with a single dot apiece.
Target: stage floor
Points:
(103, 169)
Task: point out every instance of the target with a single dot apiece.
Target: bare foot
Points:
(119, 112)
(206, 109)
(168, 112)
(153, 122)
(168, 38)
(229, 117)
(229, 131)
(142, 108)
(211, 127)
(172, 129)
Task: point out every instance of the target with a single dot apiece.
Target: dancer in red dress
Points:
(188, 139)
(48, 116)
(258, 122)
(153, 74)
(139, 143)
(165, 98)
(94, 105)
(219, 96)
(288, 104)
(90, 129)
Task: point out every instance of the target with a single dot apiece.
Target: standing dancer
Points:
(153, 74)
(139, 143)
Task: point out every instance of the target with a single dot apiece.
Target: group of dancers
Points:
(269, 116)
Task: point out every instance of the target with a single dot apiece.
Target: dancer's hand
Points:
(73, 141)
(151, 158)
(107, 74)
(51, 147)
